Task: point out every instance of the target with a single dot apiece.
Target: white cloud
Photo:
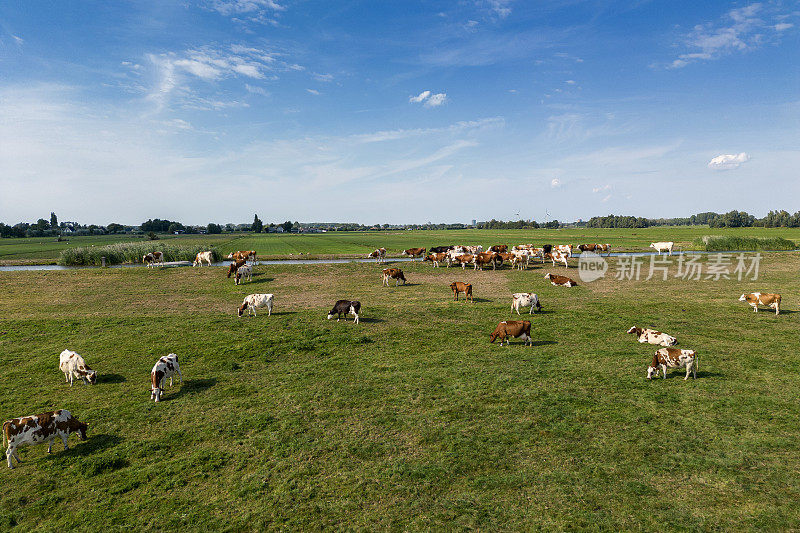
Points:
(555, 183)
(728, 161)
(498, 8)
(436, 100)
(570, 82)
(19, 40)
(323, 77)
(313, 91)
(606, 187)
(420, 97)
(234, 7)
(741, 29)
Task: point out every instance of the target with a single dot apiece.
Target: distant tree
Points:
(174, 227)
(115, 228)
(42, 224)
(53, 220)
(152, 236)
(287, 226)
(257, 225)
(212, 228)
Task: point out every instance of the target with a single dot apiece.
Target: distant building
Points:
(474, 222)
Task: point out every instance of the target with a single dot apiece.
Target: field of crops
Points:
(410, 420)
(279, 246)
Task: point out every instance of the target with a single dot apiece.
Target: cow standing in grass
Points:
(342, 307)
(518, 329)
(466, 288)
(73, 366)
(392, 273)
(762, 298)
(165, 367)
(38, 429)
(673, 358)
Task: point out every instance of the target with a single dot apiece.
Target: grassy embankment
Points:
(410, 420)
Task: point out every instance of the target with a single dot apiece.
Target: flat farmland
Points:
(352, 244)
(409, 420)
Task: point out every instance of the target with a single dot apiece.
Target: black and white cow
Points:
(342, 307)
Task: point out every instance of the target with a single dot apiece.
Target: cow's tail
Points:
(697, 362)
(5, 435)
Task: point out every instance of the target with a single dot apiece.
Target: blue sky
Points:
(407, 111)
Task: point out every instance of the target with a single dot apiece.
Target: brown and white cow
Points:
(525, 299)
(242, 255)
(762, 298)
(436, 258)
(378, 255)
(565, 249)
(37, 429)
(653, 337)
(235, 266)
(673, 358)
(499, 248)
(256, 301)
(73, 366)
(466, 288)
(463, 260)
(165, 367)
(556, 255)
(153, 258)
(244, 272)
(562, 281)
(201, 257)
(484, 259)
(519, 329)
(587, 247)
(414, 252)
(392, 273)
(603, 248)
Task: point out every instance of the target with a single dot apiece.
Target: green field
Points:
(349, 244)
(410, 420)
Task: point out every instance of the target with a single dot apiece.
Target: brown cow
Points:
(463, 259)
(466, 288)
(563, 281)
(512, 328)
(414, 252)
(436, 258)
(499, 248)
(235, 266)
(485, 258)
(392, 273)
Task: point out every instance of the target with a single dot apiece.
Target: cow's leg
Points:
(664, 370)
(252, 310)
(755, 308)
(64, 438)
(777, 309)
(180, 376)
(9, 455)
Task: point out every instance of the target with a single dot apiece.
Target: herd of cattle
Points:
(46, 427)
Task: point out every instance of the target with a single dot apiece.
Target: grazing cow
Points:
(165, 367)
(149, 260)
(458, 287)
(587, 247)
(208, 257)
(562, 281)
(499, 248)
(525, 299)
(673, 358)
(763, 298)
(512, 328)
(73, 366)
(256, 301)
(235, 266)
(342, 307)
(556, 255)
(242, 255)
(603, 248)
(379, 255)
(662, 247)
(473, 249)
(653, 337)
(244, 271)
(436, 258)
(36, 429)
(485, 258)
(414, 252)
(392, 273)
(463, 260)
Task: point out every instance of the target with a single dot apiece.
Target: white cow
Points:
(652, 336)
(208, 257)
(663, 246)
(37, 429)
(165, 367)
(525, 299)
(255, 301)
(244, 271)
(73, 366)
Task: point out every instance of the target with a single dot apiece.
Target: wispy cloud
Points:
(419, 98)
(428, 99)
(740, 29)
(313, 91)
(728, 161)
(555, 183)
(258, 11)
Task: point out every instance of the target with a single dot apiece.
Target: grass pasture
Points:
(358, 244)
(410, 420)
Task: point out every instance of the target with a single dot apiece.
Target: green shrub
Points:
(130, 252)
(718, 243)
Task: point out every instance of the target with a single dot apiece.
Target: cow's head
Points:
(242, 308)
(91, 377)
(547, 276)
(743, 298)
(652, 372)
(493, 336)
(82, 427)
(634, 330)
(652, 245)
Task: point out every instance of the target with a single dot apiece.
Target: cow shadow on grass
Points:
(191, 386)
(368, 320)
(259, 280)
(543, 343)
(111, 378)
(92, 444)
